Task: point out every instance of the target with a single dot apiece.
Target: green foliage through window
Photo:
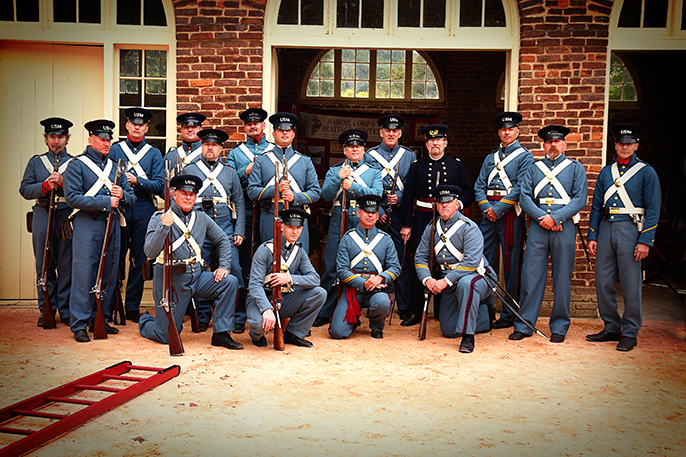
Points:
(622, 86)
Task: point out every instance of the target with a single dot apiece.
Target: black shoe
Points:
(133, 315)
(320, 321)
(40, 321)
(239, 328)
(224, 339)
(81, 336)
(202, 326)
(65, 320)
(110, 330)
(500, 323)
(557, 338)
(603, 336)
(626, 343)
(412, 319)
(467, 344)
(377, 334)
(289, 338)
(516, 336)
(261, 343)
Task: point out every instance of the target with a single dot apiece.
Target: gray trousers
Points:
(300, 306)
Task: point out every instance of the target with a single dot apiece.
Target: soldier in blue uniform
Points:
(89, 188)
(189, 150)
(299, 189)
(43, 174)
(189, 230)
(393, 161)
(299, 282)
(497, 193)
(221, 197)
(417, 207)
(553, 192)
(624, 216)
(145, 174)
(356, 178)
(366, 264)
(458, 247)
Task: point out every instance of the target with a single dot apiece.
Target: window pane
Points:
(347, 88)
(348, 14)
(129, 62)
(129, 12)
(372, 14)
(327, 88)
(397, 90)
(615, 93)
(629, 93)
(383, 56)
(315, 72)
(363, 55)
(398, 72)
(616, 74)
(327, 70)
(417, 57)
(131, 95)
(408, 13)
(313, 88)
(288, 12)
(432, 91)
(329, 56)
(156, 63)
(362, 71)
(430, 75)
(383, 90)
(470, 13)
(434, 13)
(631, 14)
(418, 72)
(89, 12)
(153, 13)
(627, 76)
(158, 100)
(348, 55)
(64, 10)
(312, 12)
(495, 14)
(27, 11)
(398, 56)
(7, 10)
(418, 90)
(655, 14)
(348, 71)
(383, 72)
(362, 89)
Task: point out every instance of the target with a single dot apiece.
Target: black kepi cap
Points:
(353, 137)
(101, 128)
(391, 121)
(446, 193)
(553, 132)
(369, 203)
(507, 119)
(627, 133)
(56, 126)
(253, 115)
(283, 121)
(213, 136)
(191, 119)
(138, 115)
(187, 183)
(435, 131)
(293, 217)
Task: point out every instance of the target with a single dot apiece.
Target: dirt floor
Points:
(366, 397)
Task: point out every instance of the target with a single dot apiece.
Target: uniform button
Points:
(548, 210)
(612, 217)
(614, 204)
(616, 197)
(550, 193)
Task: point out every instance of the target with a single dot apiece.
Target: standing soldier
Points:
(367, 263)
(458, 247)
(189, 150)
(424, 176)
(145, 174)
(299, 188)
(553, 192)
(221, 197)
(497, 193)
(626, 208)
(356, 178)
(302, 299)
(43, 174)
(89, 188)
(393, 161)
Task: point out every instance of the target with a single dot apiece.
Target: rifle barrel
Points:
(48, 312)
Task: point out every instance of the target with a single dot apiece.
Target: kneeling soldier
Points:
(459, 248)
(299, 282)
(189, 228)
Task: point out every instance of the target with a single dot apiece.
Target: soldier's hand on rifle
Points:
(345, 171)
(248, 169)
(279, 279)
(237, 240)
(167, 218)
(131, 178)
(392, 199)
(268, 320)
(490, 215)
(405, 233)
(382, 219)
(54, 180)
(284, 185)
(347, 184)
(373, 283)
(220, 273)
(288, 196)
(592, 247)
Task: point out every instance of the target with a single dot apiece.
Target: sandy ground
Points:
(396, 396)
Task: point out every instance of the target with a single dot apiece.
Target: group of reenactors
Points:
(397, 233)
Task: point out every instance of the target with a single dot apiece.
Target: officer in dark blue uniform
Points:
(367, 264)
(497, 193)
(624, 216)
(43, 174)
(553, 192)
(189, 150)
(89, 188)
(145, 174)
(221, 197)
(189, 230)
(417, 207)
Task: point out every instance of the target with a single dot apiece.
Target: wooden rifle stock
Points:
(48, 312)
(427, 293)
(344, 223)
(389, 211)
(277, 297)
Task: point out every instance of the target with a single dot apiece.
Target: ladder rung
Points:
(75, 401)
(28, 412)
(142, 368)
(16, 431)
(96, 387)
(123, 378)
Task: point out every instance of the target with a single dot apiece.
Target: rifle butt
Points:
(119, 312)
(425, 315)
(175, 344)
(48, 313)
(195, 320)
(100, 325)
(279, 343)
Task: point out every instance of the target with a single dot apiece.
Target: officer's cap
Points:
(191, 119)
(446, 193)
(213, 136)
(253, 115)
(101, 127)
(138, 115)
(353, 137)
(187, 183)
(508, 119)
(553, 132)
(391, 121)
(283, 121)
(435, 131)
(56, 126)
(369, 203)
(293, 217)
(627, 133)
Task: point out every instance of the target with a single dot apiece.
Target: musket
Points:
(119, 315)
(583, 242)
(344, 220)
(389, 211)
(285, 177)
(425, 312)
(48, 312)
(277, 297)
(100, 325)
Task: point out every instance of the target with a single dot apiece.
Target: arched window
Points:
(622, 83)
(634, 21)
(382, 74)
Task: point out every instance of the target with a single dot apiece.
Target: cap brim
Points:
(627, 140)
(138, 120)
(105, 135)
(354, 143)
(507, 125)
(190, 189)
